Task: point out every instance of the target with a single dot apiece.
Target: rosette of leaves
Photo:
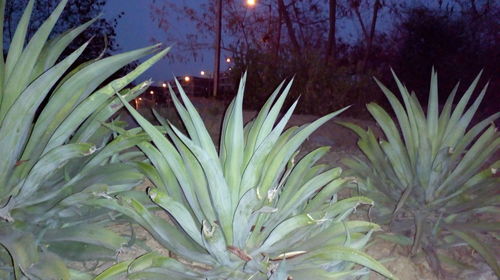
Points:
(55, 151)
(430, 175)
(248, 210)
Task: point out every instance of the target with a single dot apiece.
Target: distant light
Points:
(187, 79)
(202, 73)
(228, 60)
(251, 3)
(230, 68)
(151, 92)
(140, 98)
(164, 85)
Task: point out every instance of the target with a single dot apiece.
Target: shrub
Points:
(248, 211)
(430, 178)
(56, 153)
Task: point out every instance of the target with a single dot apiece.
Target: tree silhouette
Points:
(75, 13)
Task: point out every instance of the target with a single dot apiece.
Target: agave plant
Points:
(247, 211)
(56, 153)
(430, 176)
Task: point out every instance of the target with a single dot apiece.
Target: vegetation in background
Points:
(430, 176)
(458, 40)
(250, 210)
(56, 153)
(334, 47)
(102, 31)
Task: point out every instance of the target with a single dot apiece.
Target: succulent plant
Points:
(248, 210)
(56, 153)
(431, 178)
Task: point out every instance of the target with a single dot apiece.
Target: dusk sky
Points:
(136, 29)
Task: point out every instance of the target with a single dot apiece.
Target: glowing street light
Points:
(151, 92)
(251, 3)
(228, 60)
(187, 79)
(164, 85)
(202, 73)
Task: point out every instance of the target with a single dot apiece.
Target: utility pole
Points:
(218, 29)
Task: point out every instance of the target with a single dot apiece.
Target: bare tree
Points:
(332, 30)
(368, 35)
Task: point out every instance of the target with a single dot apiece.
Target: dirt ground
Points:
(343, 143)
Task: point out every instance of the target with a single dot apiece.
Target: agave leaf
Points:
(93, 123)
(117, 270)
(171, 155)
(21, 247)
(383, 166)
(29, 100)
(346, 254)
(197, 177)
(283, 229)
(50, 266)
(402, 118)
(400, 162)
(459, 109)
(472, 134)
(87, 107)
(345, 206)
(409, 108)
(184, 115)
(298, 172)
(281, 272)
(113, 174)
(458, 131)
(477, 180)
(47, 164)
(219, 190)
(78, 275)
(204, 136)
(165, 172)
(16, 49)
(444, 117)
(55, 47)
(178, 212)
(165, 233)
(254, 168)
(77, 251)
(270, 119)
(324, 194)
(232, 143)
(155, 266)
(82, 84)
(476, 226)
(309, 189)
(483, 148)
(320, 274)
(21, 73)
(88, 234)
(287, 150)
(243, 218)
(119, 144)
(335, 230)
(432, 112)
(484, 251)
(254, 127)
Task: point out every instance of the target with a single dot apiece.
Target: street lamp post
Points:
(218, 28)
